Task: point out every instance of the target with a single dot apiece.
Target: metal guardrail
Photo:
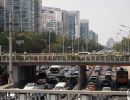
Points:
(20, 94)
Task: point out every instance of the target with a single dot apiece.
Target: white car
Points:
(106, 89)
(30, 86)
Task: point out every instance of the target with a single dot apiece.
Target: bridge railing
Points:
(65, 57)
(20, 94)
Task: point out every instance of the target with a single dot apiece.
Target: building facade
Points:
(93, 36)
(84, 28)
(25, 15)
(52, 20)
(65, 20)
(110, 43)
(74, 23)
(2, 15)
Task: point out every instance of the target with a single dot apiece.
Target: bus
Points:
(83, 53)
(121, 76)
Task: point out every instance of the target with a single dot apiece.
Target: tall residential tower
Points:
(25, 13)
(84, 28)
(52, 20)
(74, 23)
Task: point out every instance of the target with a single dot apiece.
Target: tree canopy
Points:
(37, 43)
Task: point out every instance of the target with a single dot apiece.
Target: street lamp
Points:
(0, 50)
(49, 43)
(10, 79)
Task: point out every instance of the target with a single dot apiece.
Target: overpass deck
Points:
(66, 59)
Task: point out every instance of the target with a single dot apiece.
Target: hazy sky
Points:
(105, 16)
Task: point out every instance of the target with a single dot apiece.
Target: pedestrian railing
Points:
(63, 57)
(21, 94)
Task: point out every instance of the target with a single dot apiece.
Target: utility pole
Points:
(0, 50)
(49, 42)
(10, 79)
(63, 43)
(129, 42)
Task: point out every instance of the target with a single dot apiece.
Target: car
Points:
(60, 86)
(76, 73)
(106, 83)
(97, 69)
(123, 88)
(91, 86)
(93, 79)
(108, 77)
(109, 68)
(106, 89)
(69, 73)
(52, 81)
(108, 72)
(30, 86)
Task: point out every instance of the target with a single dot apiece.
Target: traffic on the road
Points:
(59, 77)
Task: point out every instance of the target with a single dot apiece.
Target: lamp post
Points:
(72, 45)
(49, 43)
(0, 50)
(63, 43)
(10, 79)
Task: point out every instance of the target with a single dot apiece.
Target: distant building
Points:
(61, 21)
(65, 19)
(84, 28)
(52, 20)
(26, 15)
(93, 36)
(74, 23)
(110, 43)
(38, 16)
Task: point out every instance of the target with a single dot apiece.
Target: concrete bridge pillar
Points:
(82, 77)
(23, 73)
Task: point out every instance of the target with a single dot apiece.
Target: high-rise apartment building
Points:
(52, 19)
(65, 19)
(93, 36)
(25, 14)
(84, 28)
(2, 15)
(38, 16)
(110, 43)
(74, 23)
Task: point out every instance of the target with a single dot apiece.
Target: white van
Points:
(55, 70)
(60, 86)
